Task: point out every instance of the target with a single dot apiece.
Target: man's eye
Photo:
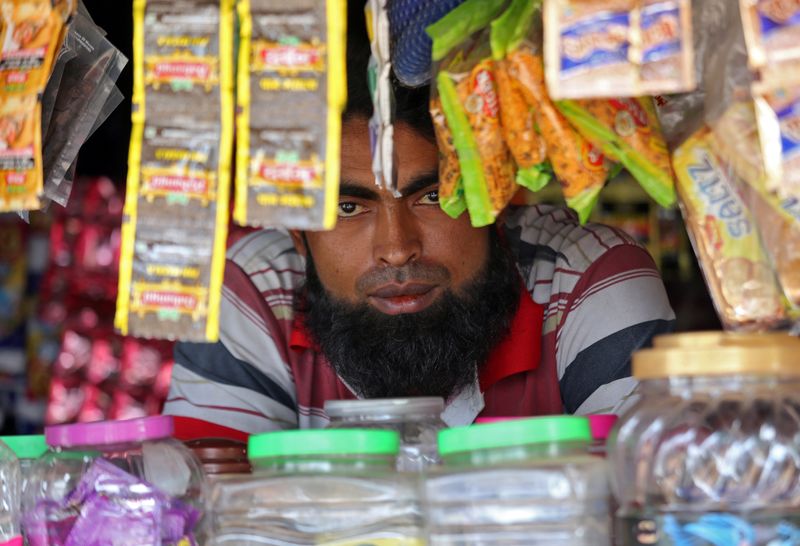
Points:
(430, 198)
(349, 209)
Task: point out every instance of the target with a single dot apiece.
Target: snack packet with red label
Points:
(290, 94)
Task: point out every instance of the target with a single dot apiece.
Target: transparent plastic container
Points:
(711, 452)
(526, 482)
(601, 425)
(10, 486)
(114, 482)
(417, 420)
(314, 487)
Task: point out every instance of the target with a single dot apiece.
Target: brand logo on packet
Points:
(780, 11)
(485, 89)
(167, 299)
(293, 58)
(178, 184)
(182, 70)
(721, 202)
(291, 174)
(580, 47)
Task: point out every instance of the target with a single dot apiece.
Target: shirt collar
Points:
(520, 351)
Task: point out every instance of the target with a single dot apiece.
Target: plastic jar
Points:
(319, 487)
(417, 420)
(28, 449)
(600, 425)
(521, 482)
(103, 481)
(711, 449)
(220, 456)
(10, 485)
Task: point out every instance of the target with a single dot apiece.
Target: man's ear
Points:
(300, 242)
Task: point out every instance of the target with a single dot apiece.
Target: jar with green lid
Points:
(710, 454)
(319, 487)
(523, 482)
(27, 448)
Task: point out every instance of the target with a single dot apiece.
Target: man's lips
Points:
(396, 299)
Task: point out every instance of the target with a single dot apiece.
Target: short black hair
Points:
(411, 105)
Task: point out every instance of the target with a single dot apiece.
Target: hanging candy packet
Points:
(611, 48)
(627, 130)
(176, 208)
(451, 188)
(467, 90)
(381, 128)
(725, 237)
(581, 168)
(517, 117)
(772, 33)
(290, 94)
(32, 32)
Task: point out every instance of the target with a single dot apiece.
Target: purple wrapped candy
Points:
(179, 520)
(48, 524)
(132, 520)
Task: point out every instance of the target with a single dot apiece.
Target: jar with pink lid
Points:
(114, 482)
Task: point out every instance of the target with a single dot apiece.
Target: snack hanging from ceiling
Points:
(778, 119)
(291, 91)
(451, 189)
(737, 270)
(176, 209)
(627, 130)
(663, 47)
(581, 169)
(772, 33)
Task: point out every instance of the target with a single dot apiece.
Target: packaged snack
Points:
(20, 152)
(772, 34)
(451, 188)
(627, 130)
(290, 94)
(614, 48)
(173, 239)
(381, 128)
(581, 169)
(726, 240)
(778, 119)
(517, 117)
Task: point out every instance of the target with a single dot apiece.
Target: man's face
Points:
(398, 254)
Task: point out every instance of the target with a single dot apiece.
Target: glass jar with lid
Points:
(113, 482)
(710, 453)
(417, 420)
(519, 483)
(321, 487)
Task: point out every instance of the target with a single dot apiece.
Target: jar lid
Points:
(716, 338)
(774, 355)
(376, 407)
(519, 432)
(109, 432)
(218, 449)
(30, 446)
(601, 425)
(323, 442)
(216, 468)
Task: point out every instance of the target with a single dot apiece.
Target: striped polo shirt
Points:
(593, 297)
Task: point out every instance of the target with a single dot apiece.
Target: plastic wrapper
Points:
(290, 94)
(467, 90)
(772, 32)
(381, 128)
(176, 209)
(778, 120)
(32, 36)
(451, 188)
(725, 236)
(611, 48)
(627, 130)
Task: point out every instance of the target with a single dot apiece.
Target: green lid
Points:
(323, 442)
(26, 447)
(518, 432)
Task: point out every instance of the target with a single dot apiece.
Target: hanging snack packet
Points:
(517, 117)
(726, 240)
(176, 208)
(581, 169)
(663, 47)
(291, 91)
(467, 89)
(772, 34)
(778, 119)
(32, 31)
(451, 189)
(381, 128)
(627, 130)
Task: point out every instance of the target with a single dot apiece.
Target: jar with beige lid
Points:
(711, 452)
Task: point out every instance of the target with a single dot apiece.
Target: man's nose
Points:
(397, 237)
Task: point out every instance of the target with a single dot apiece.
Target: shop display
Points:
(176, 210)
(331, 487)
(699, 462)
(417, 420)
(99, 480)
(290, 95)
(524, 481)
(618, 48)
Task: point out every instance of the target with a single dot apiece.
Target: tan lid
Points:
(718, 353)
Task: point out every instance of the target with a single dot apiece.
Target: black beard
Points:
(436, 352)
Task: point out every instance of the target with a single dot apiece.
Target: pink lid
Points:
(601, 425)
(104, 433)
